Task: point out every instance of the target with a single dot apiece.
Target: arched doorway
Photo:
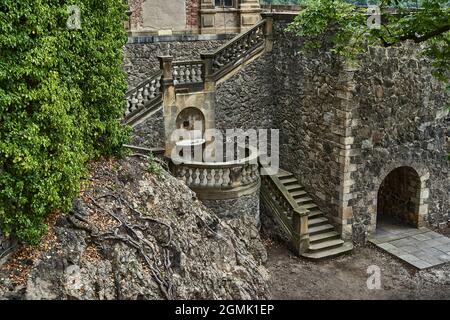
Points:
(399, 198)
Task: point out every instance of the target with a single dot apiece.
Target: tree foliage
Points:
(61, 95)
(344, 26)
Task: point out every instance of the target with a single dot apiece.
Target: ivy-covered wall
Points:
(61, 95)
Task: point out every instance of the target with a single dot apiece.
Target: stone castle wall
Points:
(399, 120)
(245, 101)
(342, 128)
(309, 117)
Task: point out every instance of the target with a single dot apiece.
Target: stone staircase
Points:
(324, 240)
(197, 75)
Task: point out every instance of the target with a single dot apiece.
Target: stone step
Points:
(315, 213)
(288, 181)
(315, 238)
(320, 229)
(293, 187)
(303, 199)
(346, 247)
(316, 221)
(309, 206)
(283, 174)
(298, 193)
(329, 244)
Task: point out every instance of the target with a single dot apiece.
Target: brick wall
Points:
(192, 13)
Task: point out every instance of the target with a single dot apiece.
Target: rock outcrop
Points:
(137, 235)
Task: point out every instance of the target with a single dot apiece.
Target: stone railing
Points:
(233, 52)
(187, 72)
(144, 95)
(290, 216)
(220, 180)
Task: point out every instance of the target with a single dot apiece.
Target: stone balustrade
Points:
(187, 72)
(292, 218)
(237, 49)
(146, 92)
(220, 180)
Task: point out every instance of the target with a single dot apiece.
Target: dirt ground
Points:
(345, 277)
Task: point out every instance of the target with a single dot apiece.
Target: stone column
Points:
(250, 12)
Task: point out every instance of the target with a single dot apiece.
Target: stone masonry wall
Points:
(150, 133)
(343, 129)
(246, 100)
(309, 116)
(235, 208)
(399, 120)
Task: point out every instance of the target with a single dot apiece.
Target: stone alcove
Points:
(401, 197)
(190, 119)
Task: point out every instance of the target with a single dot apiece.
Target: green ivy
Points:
(61, 98)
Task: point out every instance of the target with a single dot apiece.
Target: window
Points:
(224, 3)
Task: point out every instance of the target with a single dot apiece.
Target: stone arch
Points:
(421, 198)
(191, 118)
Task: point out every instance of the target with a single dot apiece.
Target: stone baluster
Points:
(188, 74)
(217, 176)
(209, 178)
(146, 93)
(175, 75)
(203, 181)
(225, 178)
(134, 102)
(153, 89)
(182, 173)
(189, 177)
(181, 75)
(195, 175)
(158, 85)
(199, 73)
(193, 74)
(140, 98)
(127, 109)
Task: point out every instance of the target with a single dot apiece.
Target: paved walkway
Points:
(421, 248)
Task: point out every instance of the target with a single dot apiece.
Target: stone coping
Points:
(251, 159)
(137, 39)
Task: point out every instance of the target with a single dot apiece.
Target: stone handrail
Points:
(187, 72)
(233, 51)
(293, 218)
(219, 179)
(143, 95)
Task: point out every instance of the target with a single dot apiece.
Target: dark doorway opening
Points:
(399, 198)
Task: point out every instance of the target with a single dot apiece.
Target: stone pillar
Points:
(250, 13)
(301, 236)
(268, 32)
(348, 152)
(168, 99)
(208, 73)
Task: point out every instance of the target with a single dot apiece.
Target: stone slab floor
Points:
(422, 248)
